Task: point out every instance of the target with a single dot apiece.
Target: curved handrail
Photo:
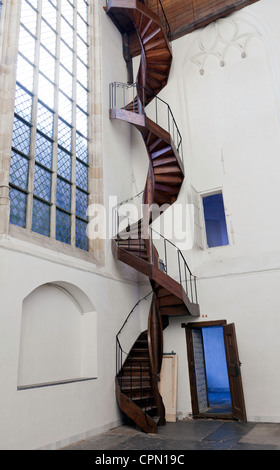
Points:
(192, 294)
(120, 101)
(118, 343)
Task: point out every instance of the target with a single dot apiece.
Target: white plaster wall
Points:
(54, 416)
(229, 117)
(71, 411)
(238, 283)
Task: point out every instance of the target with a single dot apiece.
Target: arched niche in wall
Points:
(58, 341)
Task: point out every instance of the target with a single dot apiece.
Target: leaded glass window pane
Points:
(46, 90)
(82, 50)
(21, 136)
(67, 32)
(45, 119)
(67, 11)
(18, 207)
(48, 37)
(66, 56)
(81, 204)
(82, 122)
(26, 44)
(64, 135)
(49, 13)
(82, 95)
(82, 73)
(66, 78)
(65, 107)
(29, 17)
(19, 171)
(63, 226)
(44, 150)
(64, 164)
(81, 234)
(82, 27)
(23, 103)
(81, 175)
(51, 121)
(41, 217)
(47, 64)
(63, 195)
(42, 183)
(25, 73)
(82, 148)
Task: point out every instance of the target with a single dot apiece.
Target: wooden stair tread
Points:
(170, 179)
(167, 169)
(167, 175)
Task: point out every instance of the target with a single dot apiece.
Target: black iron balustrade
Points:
(119, 349)
(140, 100)
(130, 233)
(168, 253)
(126, 378)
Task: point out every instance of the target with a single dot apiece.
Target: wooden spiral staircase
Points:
(138, 376)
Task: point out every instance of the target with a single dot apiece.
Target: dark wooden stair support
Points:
(137, 381)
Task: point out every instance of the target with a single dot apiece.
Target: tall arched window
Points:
(49, 161)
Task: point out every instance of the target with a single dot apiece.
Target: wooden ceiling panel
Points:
(185, 16)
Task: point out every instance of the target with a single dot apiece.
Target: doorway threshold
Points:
(213, 414)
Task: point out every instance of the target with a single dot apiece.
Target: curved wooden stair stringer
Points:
(133, 246)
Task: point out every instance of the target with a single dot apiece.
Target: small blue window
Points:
(215, 221)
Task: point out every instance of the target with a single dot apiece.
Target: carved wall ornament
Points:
(216, 39)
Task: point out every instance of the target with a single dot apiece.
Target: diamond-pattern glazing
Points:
(45, 119)
(81, 234)
(82, 121)
(21, 136)
(23, 103)
(64, 135)
(61, 102)
(26, 44)
(64, 164)
(18, 207)
(48, 37)
(42, 183)
(82, 148)
(44, 150)
(26, 72)
(19, 171)
(63, 227)
(81, 175)
(81, 204)
(63, 194)
(41, 217)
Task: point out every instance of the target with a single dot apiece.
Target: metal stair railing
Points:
(144, 102)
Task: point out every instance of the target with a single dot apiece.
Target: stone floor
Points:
(186, 435)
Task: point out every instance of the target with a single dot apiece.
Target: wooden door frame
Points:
(194, 397)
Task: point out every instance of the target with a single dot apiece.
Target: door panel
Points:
(235, 381)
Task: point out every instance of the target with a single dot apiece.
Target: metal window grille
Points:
(49, 163)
